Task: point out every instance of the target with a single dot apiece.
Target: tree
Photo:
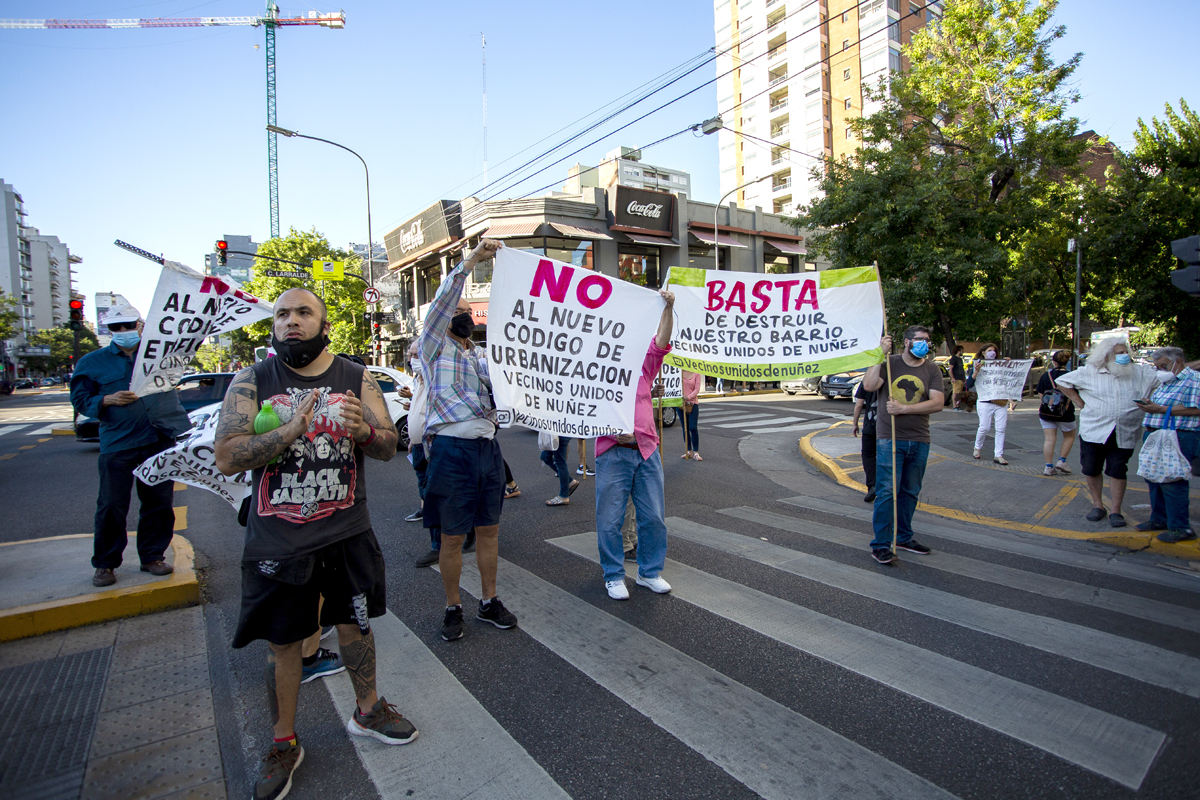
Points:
(343, 299)
(1153, 198)
(62, 346)
(9, 316)
(963, 156)
(210, 358)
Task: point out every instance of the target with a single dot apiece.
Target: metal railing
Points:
(782, 130)
(779, 80)
(777, 52)
(786, 183)
(782, 104)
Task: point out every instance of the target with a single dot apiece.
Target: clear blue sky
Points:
(156, 136)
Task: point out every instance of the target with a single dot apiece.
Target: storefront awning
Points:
(579, 231)
(791, 248)
(653, 241)
(726, 240)
(512, 229)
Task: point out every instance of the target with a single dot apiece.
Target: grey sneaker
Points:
(384, 723)
(1171, 537)
(275, 774)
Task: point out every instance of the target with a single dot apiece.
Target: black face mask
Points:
(462, 325)
(299, 355)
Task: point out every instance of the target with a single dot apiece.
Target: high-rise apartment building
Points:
(797, 70)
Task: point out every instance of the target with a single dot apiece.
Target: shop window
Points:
(639, 265)
(780, 265)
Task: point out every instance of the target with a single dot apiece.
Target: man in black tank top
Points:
(308, 533)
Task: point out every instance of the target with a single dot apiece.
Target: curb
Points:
(180, 590)
(62, 431)
(1134, 540)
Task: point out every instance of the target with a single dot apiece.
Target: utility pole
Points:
(483, 46)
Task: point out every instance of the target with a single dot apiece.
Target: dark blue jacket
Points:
(142, 422)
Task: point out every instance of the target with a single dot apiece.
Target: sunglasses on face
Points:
(117, 327)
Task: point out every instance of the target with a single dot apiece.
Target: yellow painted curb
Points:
(62, 431)
(179, 590)
(1133, 540)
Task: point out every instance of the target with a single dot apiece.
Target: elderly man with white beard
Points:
(1106, 392)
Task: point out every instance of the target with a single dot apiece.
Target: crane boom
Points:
(270, 20)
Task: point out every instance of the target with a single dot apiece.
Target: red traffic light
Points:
(222, 244)
(76, 305)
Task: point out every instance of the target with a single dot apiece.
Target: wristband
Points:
(369, 439)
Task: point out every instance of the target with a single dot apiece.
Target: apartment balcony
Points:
(774, 27)
(776, 160)
(771, 3)
(786, 183)
(782, 130)
(779, 107)
(778, 80)
(777, 53)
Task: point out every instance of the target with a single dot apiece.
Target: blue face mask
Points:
(920, 348)
(1122, 358)
(126, 339)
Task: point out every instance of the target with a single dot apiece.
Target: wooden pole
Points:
(658, 418)
(887, 360)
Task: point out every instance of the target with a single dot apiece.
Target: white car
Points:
(391, 381)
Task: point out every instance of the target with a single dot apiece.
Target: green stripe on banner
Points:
(777, 372)
(668, 402)
(687, 276)
(832, 278)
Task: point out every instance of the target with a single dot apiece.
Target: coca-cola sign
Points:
(644, 210)
(433, 228)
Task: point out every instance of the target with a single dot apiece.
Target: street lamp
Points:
(717, 208)
(370, 242)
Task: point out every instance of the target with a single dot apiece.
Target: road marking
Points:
(1033, 582)
(1142, 662)
(41, 431)
(11, 428)
(807, 426)
(747, 423)
(181, 518)
(27, 447)
(7, 456)
(1054, 551)
(1057, 503)
(771, 749)
(179, 487)
(43, 441)
(449, 719)
(1092, 739)
(732, 418)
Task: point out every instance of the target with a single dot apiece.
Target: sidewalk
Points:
(1017, 497)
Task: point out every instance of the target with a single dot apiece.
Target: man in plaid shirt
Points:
(1179, 392)
(465, 475)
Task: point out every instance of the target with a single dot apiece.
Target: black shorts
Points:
(464, 484)
(282, 607)
(1113, 459)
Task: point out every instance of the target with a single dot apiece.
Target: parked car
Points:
(806, 384)
(391, 381)
(841, 384)
(205, 388)
(26, 384)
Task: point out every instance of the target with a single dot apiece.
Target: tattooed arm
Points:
(238, 449)
(371, 411)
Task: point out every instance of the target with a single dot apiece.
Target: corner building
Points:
(797, 69)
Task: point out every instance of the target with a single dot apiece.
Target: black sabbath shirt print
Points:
(315, 476)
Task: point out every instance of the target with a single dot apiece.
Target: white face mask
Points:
(1166, 375)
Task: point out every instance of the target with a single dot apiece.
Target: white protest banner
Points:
(672, 378)
(1002, 380)
(751, 326)
(193, 461)
(188, 307)
(566, 345)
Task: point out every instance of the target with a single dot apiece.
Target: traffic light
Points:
(222, 247)
(76, 307)
(1187, 278)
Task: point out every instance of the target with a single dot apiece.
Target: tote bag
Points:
(1161, 460)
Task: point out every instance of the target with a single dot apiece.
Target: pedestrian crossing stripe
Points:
(1095, 740)
(5, 429)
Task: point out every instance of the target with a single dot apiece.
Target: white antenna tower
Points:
(483, 46)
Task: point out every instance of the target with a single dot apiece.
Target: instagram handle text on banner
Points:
(566, 345)
(750, 326)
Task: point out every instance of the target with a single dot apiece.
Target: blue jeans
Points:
(910, 461)
(691, 428)
(1169, 501)
(557, 461)
(621, 473)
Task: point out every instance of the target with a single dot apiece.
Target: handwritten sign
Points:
(749, 326)
(672, 378)
(193, 461)
(1002, 380)
(565, 345)
(188, 308)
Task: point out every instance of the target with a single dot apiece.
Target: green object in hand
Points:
(266, 421)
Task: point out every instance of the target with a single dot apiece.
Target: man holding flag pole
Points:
(909, 394)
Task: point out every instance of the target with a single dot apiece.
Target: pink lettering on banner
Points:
(587, 283)
(717, 301)
(760, 292)
(557, 285)
(737, 297)
(210, 284)
(808, 294)
(715, 289)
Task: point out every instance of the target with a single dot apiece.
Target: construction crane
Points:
(270, 20)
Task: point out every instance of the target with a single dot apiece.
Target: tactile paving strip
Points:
(49, 710)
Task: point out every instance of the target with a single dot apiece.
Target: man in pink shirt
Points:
(628, 467)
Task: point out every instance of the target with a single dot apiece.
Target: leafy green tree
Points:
(1153, 198)
(959, 161)
(9, 316)
(343, 299)
(62, 346)
(210, 358)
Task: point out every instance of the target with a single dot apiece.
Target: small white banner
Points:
(188, 308)
(672, 378)
(193, 461)
(566, 345)
(1002, 380)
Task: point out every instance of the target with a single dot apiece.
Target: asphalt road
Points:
(785, 664)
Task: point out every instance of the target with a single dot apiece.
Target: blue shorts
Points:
(464, 485)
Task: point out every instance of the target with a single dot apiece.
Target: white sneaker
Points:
(656, 585)
(617, 590)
